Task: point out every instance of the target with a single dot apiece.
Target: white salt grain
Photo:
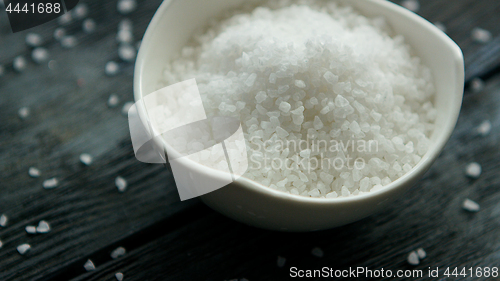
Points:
(281, 261)
(121, 184)
(40, 55)
(421, 253)
(124, 36)
(30, 229)
(33, 39)
(441, 26)
(50, 183)
(59, 33)
(126, 52)
(65, 19)
(24, 112)
(126, 6)
(89, 266)
(413, 258)
(3, 220)
(43, 227)
(113, 101)
(80, 11)
(473, 170)
(477, 85)
(19, 63)
(126, 107)
(34, 172)
(125, 24)
(485, 128)
(112, 68)
(22, 249)
(470, 206)
(480, 35)
(119, 276)
(68, 41)
(86, 159)
(412, 5)
(118, 252)
(317, 252)
(89, 26)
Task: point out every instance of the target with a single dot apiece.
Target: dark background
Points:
(171, 240)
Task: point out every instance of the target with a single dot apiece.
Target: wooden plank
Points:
(88, 216)
(429, 216)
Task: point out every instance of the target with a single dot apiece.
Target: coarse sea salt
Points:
(86, 159)
(40, 55)
(23, 248)
(43, 227)
(3, 220)
(89, 265)
(121, 184)
(113, 101)
(24, 112)
(421, 253)
(19, 63)
(470, 205)
(473, 170)
(50, 183)
(413, 258)
(485, 128)
(118, 252)
(320, 74)
(119, 276)
(30, 229)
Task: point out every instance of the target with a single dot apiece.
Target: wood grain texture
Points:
(171, 240)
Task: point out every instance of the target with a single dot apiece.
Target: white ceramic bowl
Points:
(254, 204)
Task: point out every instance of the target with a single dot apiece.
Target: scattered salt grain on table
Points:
(86, 159)
(40, 55)
(126, 52)
(59, 33)
(89, 265)
(19, 63)
(23, 112)
(43, 227)
(65, 19)
(113, 101)
(473, 170)
(3, 220)
(50, 183)
(413, 258)
(52, 64)
(477, 85)
(481, 35)
(308, 72)
(22, 249)
(485, 128)
(34, 172)
(317, 252)
(30, 229)
(126, 107)
(118, 252)
(68, 41)
(119, 276)
(281, 261)
(80, 11)
(125, 36)
(33, 39)
(121, 184)
(112, 68)
(412, 5)
(89, 26)
(1, 244)
(125, 24)
(470, 206)
(126, 6)
(441, 26)
(421, 253)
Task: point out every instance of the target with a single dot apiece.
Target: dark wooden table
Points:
(171, 240)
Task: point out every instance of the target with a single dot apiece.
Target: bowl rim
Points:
(420, 168)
